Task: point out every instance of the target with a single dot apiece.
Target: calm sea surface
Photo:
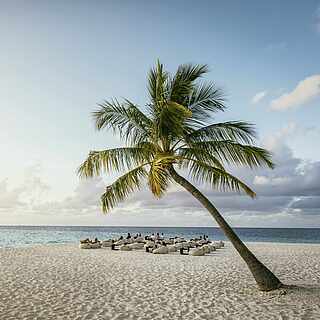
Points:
(14, 236)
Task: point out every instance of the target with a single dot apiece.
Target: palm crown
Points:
(176, 129)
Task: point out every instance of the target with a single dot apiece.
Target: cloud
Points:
(9, 199)
(258, 97)
(85, 199)
(279, 202)
(34, 188)
(25, 195)
(288, 196)
(304, 92)
(263, 181)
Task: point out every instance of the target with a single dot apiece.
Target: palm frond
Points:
(117, 159)
(198, 154)
(158, 180)
(218, 179)
(182, 84)
(236, 154)
(123, 118)
(204, 100)
(238, 131)
(157, 87)
(170, 120)
(122, 188)
(159, 177)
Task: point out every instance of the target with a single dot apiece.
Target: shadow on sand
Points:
(300, 289)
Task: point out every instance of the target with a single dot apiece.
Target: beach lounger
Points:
(161, 250)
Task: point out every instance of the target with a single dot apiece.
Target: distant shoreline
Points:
(16, 236)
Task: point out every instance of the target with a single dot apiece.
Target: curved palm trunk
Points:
(265, 279)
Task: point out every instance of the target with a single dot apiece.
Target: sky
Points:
(58, 59)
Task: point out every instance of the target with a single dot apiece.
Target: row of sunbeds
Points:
(194, 247)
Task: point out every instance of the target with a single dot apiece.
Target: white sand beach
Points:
(64, 282)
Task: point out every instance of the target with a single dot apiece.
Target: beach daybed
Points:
(85, 246)
(197, 251)
(125, 247)
(161, 250)
(172, 248)
(107, 243)
(218, 244)
(96, 245)
(194, 247)
(90, 245)
(136, 245)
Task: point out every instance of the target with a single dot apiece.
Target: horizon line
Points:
(123, 226)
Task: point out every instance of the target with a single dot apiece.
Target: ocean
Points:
(17, 236)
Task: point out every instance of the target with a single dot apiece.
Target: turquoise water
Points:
(14, 236)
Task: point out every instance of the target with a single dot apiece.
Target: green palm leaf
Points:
(238, 131)
(123, 118)
(159, 177)
(180, 87)
(204, 100)
(199, 154)
(170, 122)
(237, 154)
(218, 179)
(122, 188)
(157, 88)
(118, 159)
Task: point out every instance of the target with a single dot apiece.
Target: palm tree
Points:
(176, 131)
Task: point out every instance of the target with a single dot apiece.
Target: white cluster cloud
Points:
(264, 180)
(258, 97)
(34, 188)
(304, 92)
(9, 198)
(85, 199)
